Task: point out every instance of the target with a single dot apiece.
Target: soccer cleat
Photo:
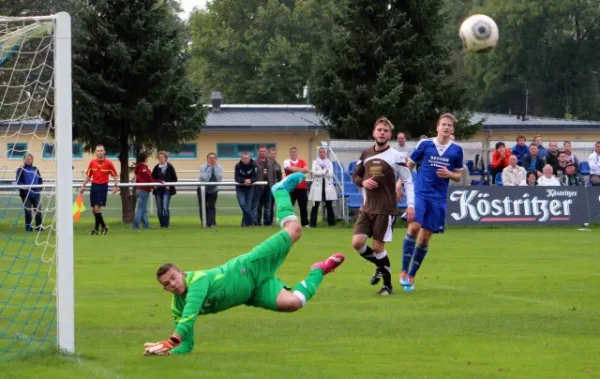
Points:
(330, 264)
(411, 284)
(105, 230)
(94, 233)
(385, 290)
(289, 182)
(376, 277)
(404, 278)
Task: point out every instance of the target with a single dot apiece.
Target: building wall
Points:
(188, 168)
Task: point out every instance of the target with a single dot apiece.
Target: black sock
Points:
(368, 253)
(384, 265)
(97, 220)
(101, 220)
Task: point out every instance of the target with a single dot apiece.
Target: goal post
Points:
(36, 220)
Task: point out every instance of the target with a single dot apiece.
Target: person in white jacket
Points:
(322, 188)
(513, 174)
(594, 160)
(548, 179)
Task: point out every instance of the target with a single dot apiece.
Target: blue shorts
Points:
(430, 214)
(98, 194)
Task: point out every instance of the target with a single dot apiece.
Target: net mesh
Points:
(27, 222)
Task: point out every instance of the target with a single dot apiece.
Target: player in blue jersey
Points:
(440, 160)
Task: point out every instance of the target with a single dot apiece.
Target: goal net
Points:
(36, 244)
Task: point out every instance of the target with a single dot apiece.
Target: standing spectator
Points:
(294, 164)
(552, 155)
(212, 172)
(245, 175)
(402, 147)
(548, 179)
(322, 188)
(520, 149)
(262, 198)
(569, 154)
(532, 161)
(99, 171)
(513, 175)
(164, 172)
(531, 179)
(142, 175)
(561, 165)
(542, 151)
(571, 178)
(278, 171)
(499, 159)
(28, 175)
(594, 160)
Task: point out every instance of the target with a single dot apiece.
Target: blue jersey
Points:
(431, 155)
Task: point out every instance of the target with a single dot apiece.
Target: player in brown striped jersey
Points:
(380, 173)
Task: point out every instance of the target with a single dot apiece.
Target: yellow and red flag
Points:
(78, 207)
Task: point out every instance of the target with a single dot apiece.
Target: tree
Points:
(387, 58)
(130, 85)
(257, 51)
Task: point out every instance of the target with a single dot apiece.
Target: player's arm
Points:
(458, 167)
(416, 156)
(88, 177)
(113, 172)
(405, 179)
(359, 172)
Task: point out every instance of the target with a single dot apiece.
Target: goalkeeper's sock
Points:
(101, 220)
(408, 249)
(384, 265)
(368, 253)
(96, 221)
(418, 259)
(285, 209)
(307, 288)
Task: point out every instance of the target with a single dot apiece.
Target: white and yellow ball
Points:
(479, 33)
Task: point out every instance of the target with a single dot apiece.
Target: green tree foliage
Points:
(387, 58)
(257, 51)
(130, 84)
(549, 48)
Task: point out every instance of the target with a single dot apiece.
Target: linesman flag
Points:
(78, 207)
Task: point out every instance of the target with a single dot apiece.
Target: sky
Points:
(188, 5)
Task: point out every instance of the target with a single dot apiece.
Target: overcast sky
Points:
(188, 5)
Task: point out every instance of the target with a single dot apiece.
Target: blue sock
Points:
(420, 254)
(408, 249)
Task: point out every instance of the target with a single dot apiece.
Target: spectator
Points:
(299, 193)
(548, 179)
(262, 198)
(531, 179)
(571, 178)
(532, 161)
(164, 172)
(142, 175)
(570, 155)
(245, 174)
(402, 147)
(559, 168)
(552, 154)
(322, 188)
(513, 174)
(520, 149)
(212, 172)
(595, 180)
(542, 151)
(423, 136)
(278, 171)
(594, 160)
(28, 175)
(499, 159)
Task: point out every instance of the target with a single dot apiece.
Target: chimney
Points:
(216, 99)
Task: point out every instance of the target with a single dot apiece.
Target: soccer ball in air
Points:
(479, 33)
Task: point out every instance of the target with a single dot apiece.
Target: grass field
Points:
(489, 303)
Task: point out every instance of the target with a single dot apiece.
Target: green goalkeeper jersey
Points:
(209, 291)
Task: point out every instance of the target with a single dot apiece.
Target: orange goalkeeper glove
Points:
(163, 347)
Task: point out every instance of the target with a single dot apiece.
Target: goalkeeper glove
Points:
(163, 347)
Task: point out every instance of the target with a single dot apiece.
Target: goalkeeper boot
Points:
(411, 284)
(376, 277)
(330, 264)
(289, 183)
(404, 278)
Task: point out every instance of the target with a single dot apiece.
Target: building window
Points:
(48, 151)
(115, 155)
(186, 151)
(16, 150)
(235, 150)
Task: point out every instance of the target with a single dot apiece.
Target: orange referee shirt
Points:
(100, 171)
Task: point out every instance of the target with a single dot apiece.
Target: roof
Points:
(505, 121)
(232, 117)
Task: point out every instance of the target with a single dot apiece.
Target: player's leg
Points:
(286, 213)
(363, 229)
(103, 200)
(95, 200)
(410, 239)
(382, 233)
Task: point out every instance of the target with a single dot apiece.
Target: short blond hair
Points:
(447, 115)
(384, 120)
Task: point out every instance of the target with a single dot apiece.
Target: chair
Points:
(351, 167)
(498, 180)
(355, 201)
(473, 172)
(350, 188)
(584, 168)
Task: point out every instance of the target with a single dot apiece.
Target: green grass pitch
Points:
(489, 303)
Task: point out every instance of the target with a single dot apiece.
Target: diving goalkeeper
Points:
(248, 279)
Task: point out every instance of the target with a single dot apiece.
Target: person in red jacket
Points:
(142, 175)
(499, 159)
(300, 193)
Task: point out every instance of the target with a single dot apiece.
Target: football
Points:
(479, 33)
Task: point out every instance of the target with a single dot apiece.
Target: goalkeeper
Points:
(248, 279)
